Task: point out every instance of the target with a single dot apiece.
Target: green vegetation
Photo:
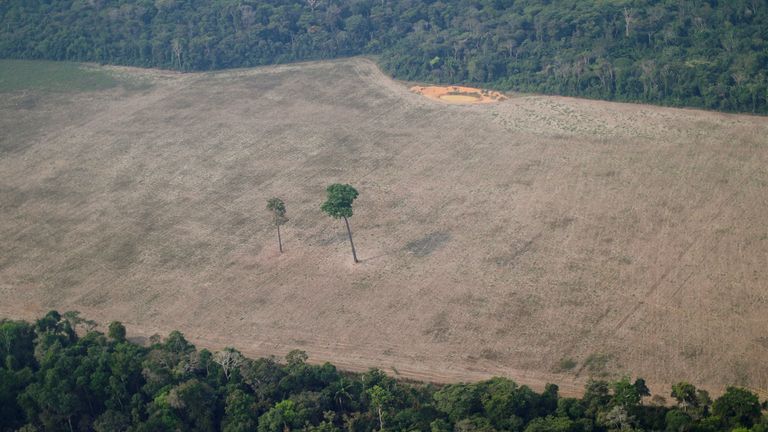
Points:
(52, 379)
(16, 75)
(277, 207)
(711, 54)
(339, 206)
(565, 364)
(596, 363)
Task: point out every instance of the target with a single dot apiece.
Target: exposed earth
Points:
(547, 239)
(459, 94)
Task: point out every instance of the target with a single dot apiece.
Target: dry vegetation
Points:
(544, 238)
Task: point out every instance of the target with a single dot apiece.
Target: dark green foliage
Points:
(711, 54)
(641, 388)
(338, 205)
(737, 407)
(685, 394)
(459, 401)
(626, 394)
(651, 417)
(54, 380)
(116, 331)
(277, 207)
(678, 421)
(111, 421)
(690, 401)
(282, 416)
(596, 397)
(239, 412)
(339, 202)
(551, 424)
(16, 372)
(570, 407)
(507, 405)
(16, 347)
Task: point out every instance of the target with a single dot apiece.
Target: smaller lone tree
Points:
(277, 207)
(339, 206)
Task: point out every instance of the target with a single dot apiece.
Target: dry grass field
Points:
(541, 238)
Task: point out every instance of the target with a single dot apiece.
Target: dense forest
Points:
(58, 374)
(699, 53)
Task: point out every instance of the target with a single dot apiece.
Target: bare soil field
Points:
(546, 239)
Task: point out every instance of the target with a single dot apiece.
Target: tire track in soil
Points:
(679, 287)
(697, 240)
(356, 360)
(359, 356)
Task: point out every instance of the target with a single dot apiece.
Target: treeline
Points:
(52, 379)
(700, 53)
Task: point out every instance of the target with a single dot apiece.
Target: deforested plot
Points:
(543, 238)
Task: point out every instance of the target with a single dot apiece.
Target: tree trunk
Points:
(381, 420)
(279, 240)
(349, 233)
(628, 19)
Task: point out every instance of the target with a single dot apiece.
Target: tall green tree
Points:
(380, 398)
(239, 412)
(281, 417)
(737, 407)
(690, 400)
(277, 207)
(339, 206)
(117, 331)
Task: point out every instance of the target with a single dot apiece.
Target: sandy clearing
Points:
(495, 238)
(459, 94)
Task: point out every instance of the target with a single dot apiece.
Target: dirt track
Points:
(495, 239)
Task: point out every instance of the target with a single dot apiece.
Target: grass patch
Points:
(597, 364)
(19, 75)
(692, 352)
(489, 354)
(565, 365)
(428, 244)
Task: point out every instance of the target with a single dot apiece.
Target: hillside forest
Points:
(710, 54)
(59, 374)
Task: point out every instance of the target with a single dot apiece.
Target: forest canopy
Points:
(699, 53)
(59, 374)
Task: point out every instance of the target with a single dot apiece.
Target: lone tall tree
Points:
(339, 206)
(277, 207)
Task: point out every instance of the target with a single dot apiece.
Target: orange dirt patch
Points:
(459, 94)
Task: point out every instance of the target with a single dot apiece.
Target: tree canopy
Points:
(700, 53)
(277, 207)
(339, 205)
(52, 379)
(339, 202)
